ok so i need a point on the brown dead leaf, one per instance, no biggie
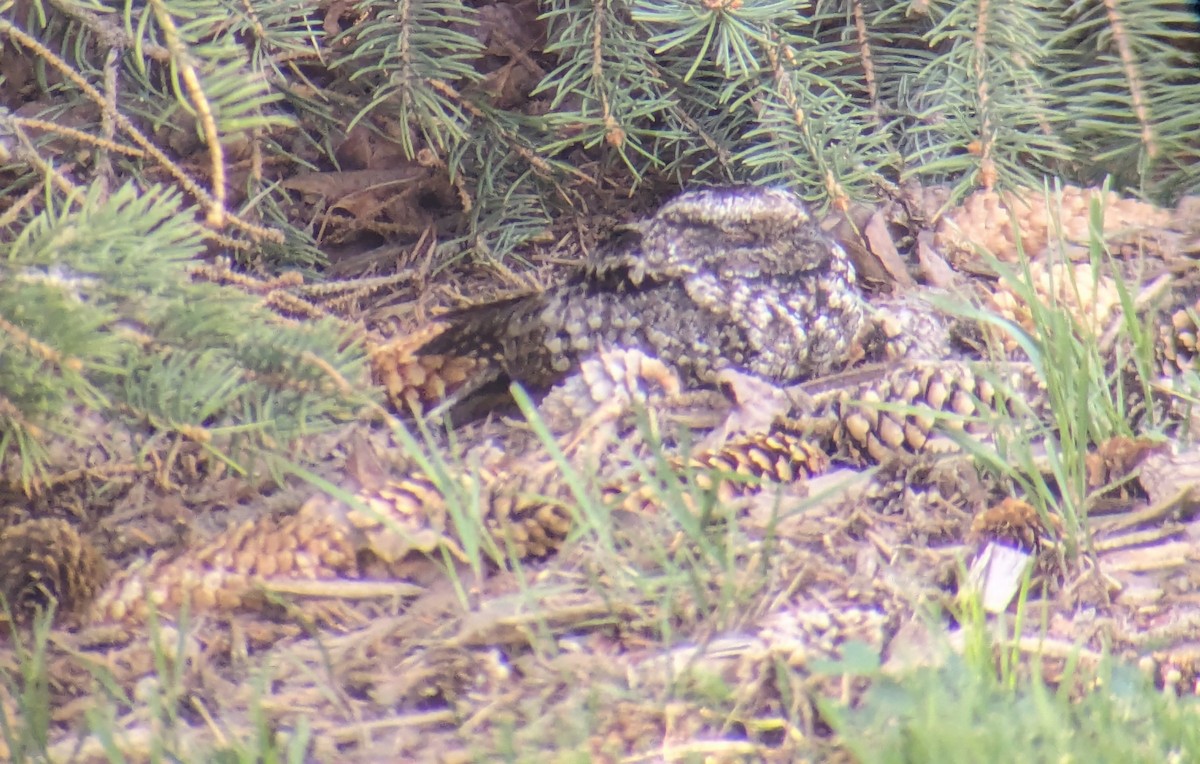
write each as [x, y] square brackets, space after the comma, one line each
[332, 22]
[1165, 475]
[505, 27]
[931, 265]
[363, 465]
[338, 185]
[372, 147]
[867, 238]
[881, 243]
[756, 404]
[409, 199]
[510, 85]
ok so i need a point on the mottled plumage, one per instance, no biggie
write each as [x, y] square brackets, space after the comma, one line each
[718, 278]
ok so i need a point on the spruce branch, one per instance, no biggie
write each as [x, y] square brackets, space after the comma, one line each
[1130, 67]
[126, 126]
[796, 109]
[398, 54]
[1130, 78]
[122, 331]
[605, 92]
[866, 56]
[989, 86]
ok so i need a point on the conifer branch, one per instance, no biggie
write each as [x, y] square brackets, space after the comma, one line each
[509, 125]
[1121, 40]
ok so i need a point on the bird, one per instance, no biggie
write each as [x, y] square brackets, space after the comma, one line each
[740, 277]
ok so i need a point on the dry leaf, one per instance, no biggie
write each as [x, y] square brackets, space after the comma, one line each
[931, 265]
[1165, 476]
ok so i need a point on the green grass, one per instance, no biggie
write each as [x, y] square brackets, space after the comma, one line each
[160, 721]
[987, 701]
[1088, 388]
[965, 713]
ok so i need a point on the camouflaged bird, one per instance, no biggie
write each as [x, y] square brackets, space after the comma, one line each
[621, 408]
[740, 278]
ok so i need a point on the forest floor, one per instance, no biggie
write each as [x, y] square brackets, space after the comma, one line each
[822, 622]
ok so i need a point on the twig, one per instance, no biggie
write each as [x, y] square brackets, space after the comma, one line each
[182, 60]
[18, 36]
[1128, 61]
